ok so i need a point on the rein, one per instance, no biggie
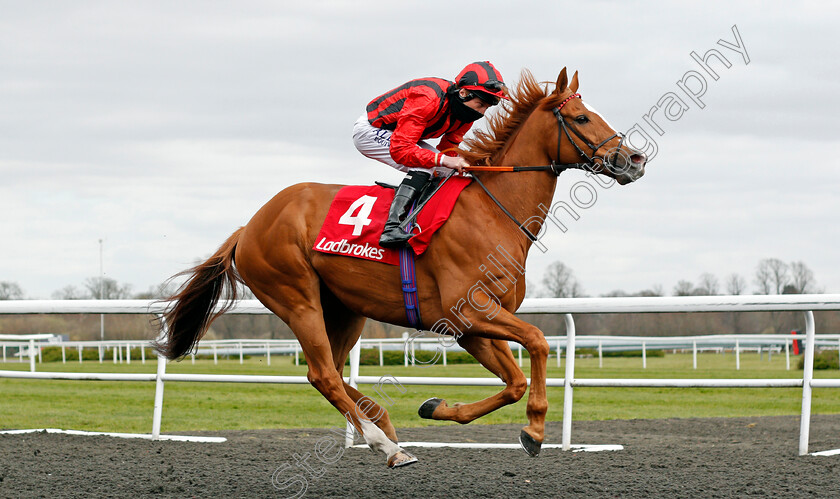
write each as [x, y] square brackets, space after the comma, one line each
[555, 167]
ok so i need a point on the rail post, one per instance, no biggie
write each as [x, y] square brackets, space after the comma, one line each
[161, 371]
[787, 354]
[32, 356]
[600, 354]
[694, 353]
[807, 376]
[355, 353]
[405, 350]
[567, 382]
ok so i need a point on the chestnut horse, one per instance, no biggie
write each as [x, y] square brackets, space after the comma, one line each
[325, 299]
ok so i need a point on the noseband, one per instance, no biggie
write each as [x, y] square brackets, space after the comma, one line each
[558, 168]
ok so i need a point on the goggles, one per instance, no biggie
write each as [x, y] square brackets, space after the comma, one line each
[493, 85]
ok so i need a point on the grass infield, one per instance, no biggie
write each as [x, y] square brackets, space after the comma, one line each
[189, 406]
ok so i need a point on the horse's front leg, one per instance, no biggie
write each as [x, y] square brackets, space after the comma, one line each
[506, 326]
[496, 356]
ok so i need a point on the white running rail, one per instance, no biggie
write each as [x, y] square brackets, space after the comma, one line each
[567, 306]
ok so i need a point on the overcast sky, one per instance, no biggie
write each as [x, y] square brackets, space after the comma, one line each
[161, 127]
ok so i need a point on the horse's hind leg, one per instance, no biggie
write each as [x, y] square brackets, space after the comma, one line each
[496, 356]
[294, 295]
[344, 328]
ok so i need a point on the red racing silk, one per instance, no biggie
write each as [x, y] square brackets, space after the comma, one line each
[415, 111]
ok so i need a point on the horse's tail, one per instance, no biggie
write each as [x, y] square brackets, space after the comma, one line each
[192, 307]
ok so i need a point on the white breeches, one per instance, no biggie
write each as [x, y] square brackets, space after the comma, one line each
[375, 143]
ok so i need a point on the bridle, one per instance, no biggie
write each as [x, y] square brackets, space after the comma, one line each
[558, 168]
[591, 161]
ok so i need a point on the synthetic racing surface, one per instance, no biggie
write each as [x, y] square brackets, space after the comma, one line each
[721, 457]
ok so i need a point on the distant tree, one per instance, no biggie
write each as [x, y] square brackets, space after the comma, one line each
[244, 293]
[735, 284]
[708, 285]
[684, 288]
[771, 276]
[530, 289]
[802, 278]
[10, 291]
[110, 289]
[653, 291]
[559, 282]
[157, 292]
[70, 292]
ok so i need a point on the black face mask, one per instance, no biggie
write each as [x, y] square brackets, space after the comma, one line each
[461, 111]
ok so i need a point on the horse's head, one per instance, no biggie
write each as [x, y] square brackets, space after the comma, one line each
[584, 136]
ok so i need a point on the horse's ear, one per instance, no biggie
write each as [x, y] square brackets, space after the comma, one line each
[562, 82]
[573, 85]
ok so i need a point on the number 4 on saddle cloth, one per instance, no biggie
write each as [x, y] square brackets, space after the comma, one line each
[357, 217]
[358, 213]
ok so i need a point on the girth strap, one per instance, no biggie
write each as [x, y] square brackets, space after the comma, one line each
[408, 279]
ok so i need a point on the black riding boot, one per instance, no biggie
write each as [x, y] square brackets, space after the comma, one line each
[412, 184]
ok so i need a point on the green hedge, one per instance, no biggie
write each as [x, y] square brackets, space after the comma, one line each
[824, 359]
[370, 357]
[622, 353]
[53, 354]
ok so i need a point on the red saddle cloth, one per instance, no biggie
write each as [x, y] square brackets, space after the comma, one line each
[358, 213]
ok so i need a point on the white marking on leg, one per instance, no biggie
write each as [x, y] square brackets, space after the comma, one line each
[376, 439]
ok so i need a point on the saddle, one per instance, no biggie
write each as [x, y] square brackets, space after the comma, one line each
[358, 213]
[428, 191]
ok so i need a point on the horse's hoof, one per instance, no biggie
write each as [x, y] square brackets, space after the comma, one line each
[428, 408]
[529, 445]
[401, 458]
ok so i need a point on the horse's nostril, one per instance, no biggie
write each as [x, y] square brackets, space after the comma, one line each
[637, 158]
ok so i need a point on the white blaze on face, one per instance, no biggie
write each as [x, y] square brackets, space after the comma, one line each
[593, 110]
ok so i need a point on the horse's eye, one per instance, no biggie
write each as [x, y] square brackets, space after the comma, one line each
[581, 119]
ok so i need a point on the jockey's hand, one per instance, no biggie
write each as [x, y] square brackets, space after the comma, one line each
[454, 162]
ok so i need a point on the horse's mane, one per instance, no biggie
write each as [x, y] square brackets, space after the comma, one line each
[486, 146]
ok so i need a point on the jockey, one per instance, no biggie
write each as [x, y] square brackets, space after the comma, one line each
[397, 123]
